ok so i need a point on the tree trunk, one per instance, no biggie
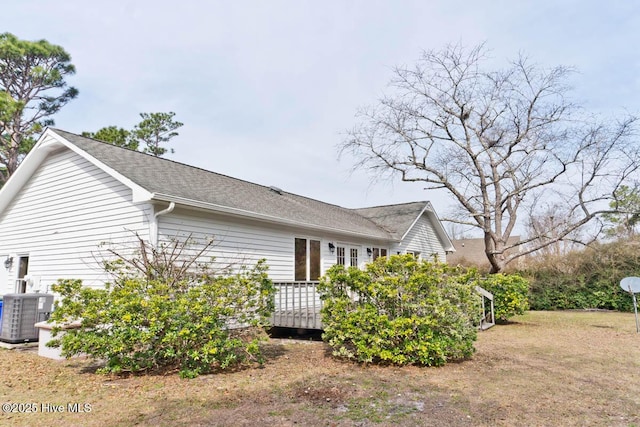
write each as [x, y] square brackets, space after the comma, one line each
[495, 254]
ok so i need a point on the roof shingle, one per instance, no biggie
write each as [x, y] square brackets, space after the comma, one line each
[395, 219]
[169, 178]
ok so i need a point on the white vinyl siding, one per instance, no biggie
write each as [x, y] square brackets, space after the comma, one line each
[423, 239]
[236, 241]
[240, 241]
[60, 217]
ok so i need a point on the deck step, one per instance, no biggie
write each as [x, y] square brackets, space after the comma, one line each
[486, 325]
[488, 318]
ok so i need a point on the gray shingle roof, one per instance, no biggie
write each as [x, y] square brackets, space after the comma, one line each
[169, 178]
[395, 219]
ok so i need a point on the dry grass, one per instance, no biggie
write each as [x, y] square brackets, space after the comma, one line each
[558, 368]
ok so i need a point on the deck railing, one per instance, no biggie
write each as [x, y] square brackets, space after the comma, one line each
[488, 318]
[297, 305]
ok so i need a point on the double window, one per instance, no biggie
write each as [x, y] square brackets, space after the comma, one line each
[347, 256]
[378, 252]
[307, 260]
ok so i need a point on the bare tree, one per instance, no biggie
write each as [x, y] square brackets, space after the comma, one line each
[174, 262]
[458, 231]
[500, 141]
[544, 226]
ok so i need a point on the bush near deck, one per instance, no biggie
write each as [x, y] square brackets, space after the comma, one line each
[137, 324]
[400, 310]
[510, 295]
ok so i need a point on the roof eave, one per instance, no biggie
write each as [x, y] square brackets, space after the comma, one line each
[48, 142]
[263, 217]
[447, 244]
[139, 194]
[51, 141]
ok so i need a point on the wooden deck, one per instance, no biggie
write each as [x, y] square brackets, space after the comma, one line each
[298, 304]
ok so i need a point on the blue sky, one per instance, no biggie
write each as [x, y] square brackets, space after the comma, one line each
[266, 89]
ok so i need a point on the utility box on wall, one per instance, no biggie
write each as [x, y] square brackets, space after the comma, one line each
[20, 313]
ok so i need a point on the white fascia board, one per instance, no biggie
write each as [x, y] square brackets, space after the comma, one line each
[139, 194]
[45, 145]
[414, 221]
[447, 244]
[49, 142]
[262, 217]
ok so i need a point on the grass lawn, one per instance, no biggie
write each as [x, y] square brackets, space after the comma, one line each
[545, 368]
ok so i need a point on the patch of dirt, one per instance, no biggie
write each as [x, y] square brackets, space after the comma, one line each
[331, 395]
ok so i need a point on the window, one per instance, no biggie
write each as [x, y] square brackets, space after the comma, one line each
[314, 265]
[301, 259]
[378, 252]
[353, 257]
[347, 255]
[415, 254]
[340, 255]
[307, 260]
[21, 283]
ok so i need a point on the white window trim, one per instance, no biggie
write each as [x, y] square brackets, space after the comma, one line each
[16, 273]
[308, 256]
[362, 254]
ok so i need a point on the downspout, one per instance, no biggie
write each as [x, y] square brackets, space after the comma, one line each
[153, 224]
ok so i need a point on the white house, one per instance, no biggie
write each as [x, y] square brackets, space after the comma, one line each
[72, 193]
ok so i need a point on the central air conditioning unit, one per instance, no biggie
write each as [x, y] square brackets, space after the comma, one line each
[20, 312]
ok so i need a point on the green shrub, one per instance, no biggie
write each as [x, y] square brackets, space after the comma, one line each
[566, 291]
[586, 279]
[148, 323]
[510, 294]
[400, 311]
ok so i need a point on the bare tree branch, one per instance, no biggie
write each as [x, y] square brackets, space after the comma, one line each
[499, 141]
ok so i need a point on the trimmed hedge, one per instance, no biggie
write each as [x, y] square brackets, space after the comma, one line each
[587, 279]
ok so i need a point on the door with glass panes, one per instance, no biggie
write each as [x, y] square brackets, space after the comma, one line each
[347, 255]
